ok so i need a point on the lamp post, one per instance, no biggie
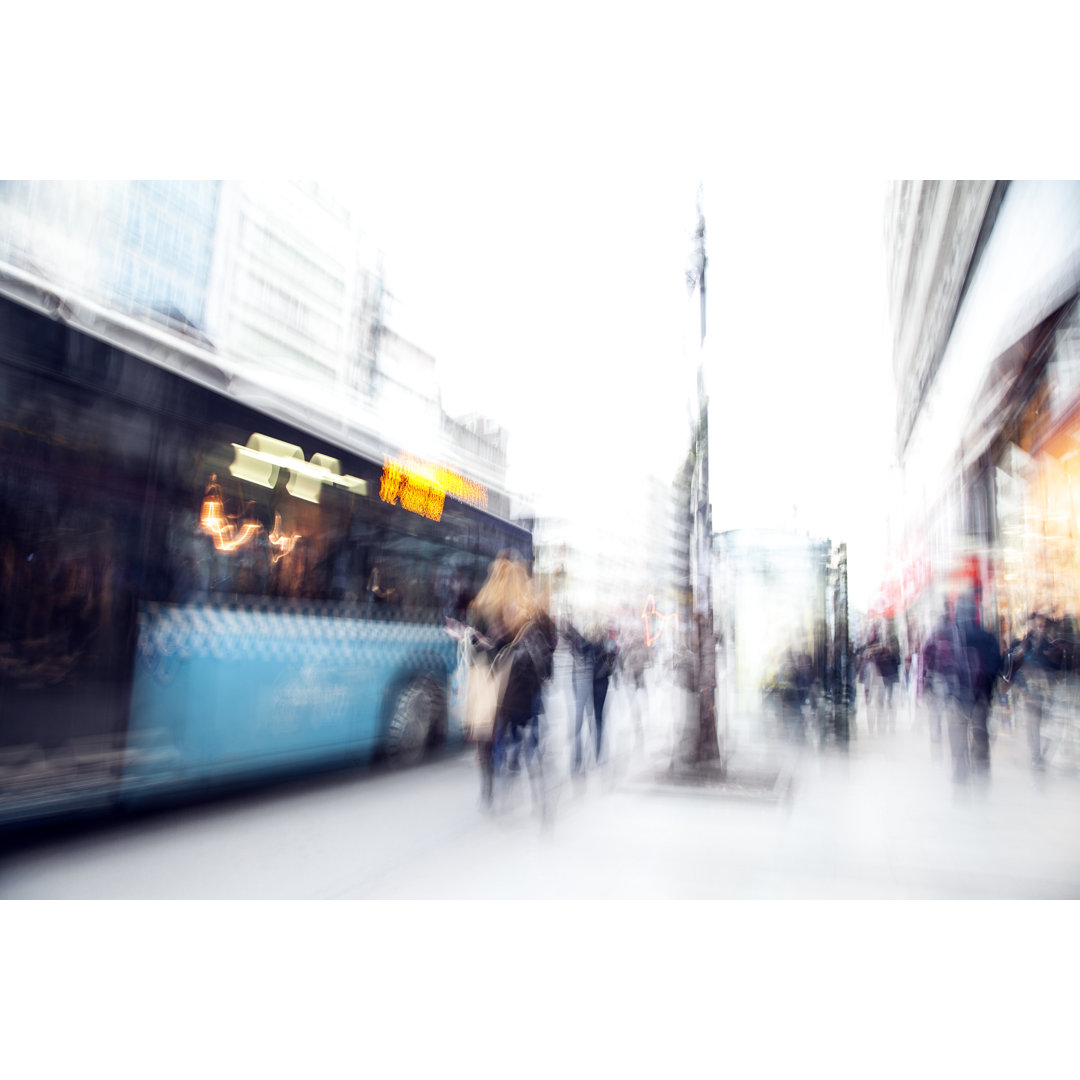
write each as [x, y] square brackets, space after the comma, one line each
[705, 746]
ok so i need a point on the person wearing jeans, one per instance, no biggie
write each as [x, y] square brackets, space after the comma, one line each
[583, 694]
[976, 664]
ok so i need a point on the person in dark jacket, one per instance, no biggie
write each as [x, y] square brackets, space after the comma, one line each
[531, 666]
[937, 663]
[595, 659]
[512, 622]
[976, 664]
[582, 652]
[1036, 662]
[887, 662]
[605, 656]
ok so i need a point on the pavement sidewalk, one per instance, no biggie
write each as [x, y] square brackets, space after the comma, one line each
[879, 819]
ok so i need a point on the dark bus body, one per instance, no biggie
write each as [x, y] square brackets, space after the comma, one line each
[196, 592]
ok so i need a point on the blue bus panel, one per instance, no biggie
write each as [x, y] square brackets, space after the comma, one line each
[220, 693]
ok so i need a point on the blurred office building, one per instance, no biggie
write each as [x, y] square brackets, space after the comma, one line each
[299, 285]
[984, 279]
[279, 280]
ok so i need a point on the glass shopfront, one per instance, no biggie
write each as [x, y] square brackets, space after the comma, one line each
[1038, 495]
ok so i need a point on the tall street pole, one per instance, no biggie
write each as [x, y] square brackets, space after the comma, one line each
[706, 746]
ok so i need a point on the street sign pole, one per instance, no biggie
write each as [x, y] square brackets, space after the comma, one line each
[706, 746]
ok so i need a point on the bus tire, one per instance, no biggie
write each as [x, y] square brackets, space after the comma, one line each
[415, 722]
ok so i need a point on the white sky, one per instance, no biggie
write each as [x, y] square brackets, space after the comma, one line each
[531, 174]
[573, 325]
[546, 274]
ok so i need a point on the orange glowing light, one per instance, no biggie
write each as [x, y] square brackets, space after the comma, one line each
[227, 536]
[421, 487]
[649, 612]
[461, 489]
[283, 543]
[213, 515]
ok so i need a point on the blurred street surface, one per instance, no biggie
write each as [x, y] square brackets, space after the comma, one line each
[879, 820]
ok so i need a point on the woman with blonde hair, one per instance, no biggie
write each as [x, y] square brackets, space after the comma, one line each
[509, 614]
[506, 602]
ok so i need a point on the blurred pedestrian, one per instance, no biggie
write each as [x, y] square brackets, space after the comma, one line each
[633, 659]
[1035, 662]
[581, 679]
[865, 671]
[975, 669]
[518, 736]
[790, 687]
[595, 657]
[938, 664]
[887, 663]
[605, 661]
[807, 684]
[513, 625]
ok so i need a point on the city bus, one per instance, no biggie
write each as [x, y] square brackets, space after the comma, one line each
[204, 582]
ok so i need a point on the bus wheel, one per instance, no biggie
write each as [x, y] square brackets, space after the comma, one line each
[416, 719]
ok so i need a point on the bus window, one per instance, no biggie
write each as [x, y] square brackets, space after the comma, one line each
[231, 537]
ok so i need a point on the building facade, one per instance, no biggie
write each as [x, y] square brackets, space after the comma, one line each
[988, 377]
[294, 279]
[278, 278]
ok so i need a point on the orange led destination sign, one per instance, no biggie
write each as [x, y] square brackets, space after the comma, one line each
[422, 487]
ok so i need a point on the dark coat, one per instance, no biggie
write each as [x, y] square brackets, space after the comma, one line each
[531, 664]
[976, 663]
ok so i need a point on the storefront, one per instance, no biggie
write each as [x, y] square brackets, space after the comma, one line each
[991, 469]
[1038, 489]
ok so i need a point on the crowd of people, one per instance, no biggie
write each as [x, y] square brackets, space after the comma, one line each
[511, 624]
[962, 675]
[877, 670]
[956, 674]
